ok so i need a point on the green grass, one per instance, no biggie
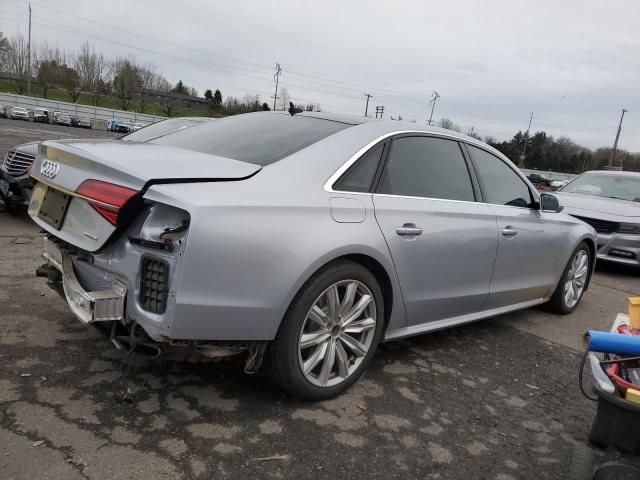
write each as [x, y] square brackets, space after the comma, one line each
[106, 101]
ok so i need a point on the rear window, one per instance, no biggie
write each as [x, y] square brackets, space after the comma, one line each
[159, 129]
[261, 138]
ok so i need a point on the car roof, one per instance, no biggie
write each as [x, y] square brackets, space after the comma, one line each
[384, 125]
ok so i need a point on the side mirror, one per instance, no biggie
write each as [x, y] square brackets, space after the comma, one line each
[550, 203]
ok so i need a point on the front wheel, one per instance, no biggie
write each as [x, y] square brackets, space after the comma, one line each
[330, 332]
[573, 282]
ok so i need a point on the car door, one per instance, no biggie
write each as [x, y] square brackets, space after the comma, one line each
[529, 240]
[443, 243]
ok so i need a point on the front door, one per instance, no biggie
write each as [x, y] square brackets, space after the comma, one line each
[442, 242]
[529, 240]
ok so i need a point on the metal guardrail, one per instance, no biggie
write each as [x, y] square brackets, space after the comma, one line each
[99, 115]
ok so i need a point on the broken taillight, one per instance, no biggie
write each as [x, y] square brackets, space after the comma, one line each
[106, 198]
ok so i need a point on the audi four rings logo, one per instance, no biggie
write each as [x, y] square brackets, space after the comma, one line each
[49, 169]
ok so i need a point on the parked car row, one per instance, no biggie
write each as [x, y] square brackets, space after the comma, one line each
[15, 183]
[44, 115]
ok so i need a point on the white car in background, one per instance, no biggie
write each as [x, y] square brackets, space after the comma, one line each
[19, 113]
[556, 184]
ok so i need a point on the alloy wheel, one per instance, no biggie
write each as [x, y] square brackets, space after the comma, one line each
[337, 333]
[576, 278]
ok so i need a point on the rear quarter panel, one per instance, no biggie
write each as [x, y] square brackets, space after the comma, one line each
[253, 244]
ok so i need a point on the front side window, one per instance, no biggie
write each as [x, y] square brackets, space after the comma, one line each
[500, 184]
[427, 167]
[359, 177]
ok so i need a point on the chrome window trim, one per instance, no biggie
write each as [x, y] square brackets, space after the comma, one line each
[328, 185]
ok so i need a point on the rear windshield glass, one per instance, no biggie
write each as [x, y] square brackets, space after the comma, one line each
[159, 129]
[261, 138]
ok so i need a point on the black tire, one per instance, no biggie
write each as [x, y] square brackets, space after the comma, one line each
[621, 469]
[282, 359]
[557, 303]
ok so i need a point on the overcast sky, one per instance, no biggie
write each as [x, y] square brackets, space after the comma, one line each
[574, 63]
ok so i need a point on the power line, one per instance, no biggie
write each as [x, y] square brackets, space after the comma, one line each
[258, 69]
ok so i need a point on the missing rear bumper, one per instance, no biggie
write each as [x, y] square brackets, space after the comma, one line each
[98, 306]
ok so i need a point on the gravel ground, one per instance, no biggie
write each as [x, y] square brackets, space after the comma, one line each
[497, 399]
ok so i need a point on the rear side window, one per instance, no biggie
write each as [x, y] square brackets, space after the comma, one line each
[360, 176]
[500, 184]
[260, 138]
[427, 167]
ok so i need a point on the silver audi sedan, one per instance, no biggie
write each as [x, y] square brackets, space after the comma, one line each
[301, 240]
[609, 201]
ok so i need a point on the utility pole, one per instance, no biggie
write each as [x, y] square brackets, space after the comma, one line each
[276, 77]
[434, 99]
[366, 108]
[379, 111]
[615, 144]
[526, 137]
[29, 50]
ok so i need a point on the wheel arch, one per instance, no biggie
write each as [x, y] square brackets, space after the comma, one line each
[380, 268]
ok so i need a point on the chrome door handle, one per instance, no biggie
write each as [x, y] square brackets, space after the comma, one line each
[509, 232]
[409, 229]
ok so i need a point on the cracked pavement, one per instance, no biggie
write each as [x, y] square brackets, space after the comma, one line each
[496, 399]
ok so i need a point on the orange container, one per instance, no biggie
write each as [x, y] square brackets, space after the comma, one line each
[634, 312]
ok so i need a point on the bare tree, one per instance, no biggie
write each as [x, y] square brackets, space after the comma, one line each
[17, 62]
[473, 134]
[92, 72]
[168, 105]
[48, 63]
[149, 79]
[285, 98]
[448, 124]
[126, 80]
[4, 48]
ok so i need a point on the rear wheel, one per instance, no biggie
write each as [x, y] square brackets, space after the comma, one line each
[329, 333]
[573, 282]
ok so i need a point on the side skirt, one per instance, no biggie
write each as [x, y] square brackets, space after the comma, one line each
[452, 322]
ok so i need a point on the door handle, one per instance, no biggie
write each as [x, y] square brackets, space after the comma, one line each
[409, 229]
[509, 232]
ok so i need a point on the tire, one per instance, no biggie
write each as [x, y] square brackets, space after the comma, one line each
[333, 362]
[561, 302]
[621, 469]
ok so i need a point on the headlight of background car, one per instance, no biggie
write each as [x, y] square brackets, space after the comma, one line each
[629, 228]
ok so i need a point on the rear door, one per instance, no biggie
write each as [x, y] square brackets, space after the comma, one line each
[529, 240]
[443, 243]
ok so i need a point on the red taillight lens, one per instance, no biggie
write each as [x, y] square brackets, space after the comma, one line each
[106, 198]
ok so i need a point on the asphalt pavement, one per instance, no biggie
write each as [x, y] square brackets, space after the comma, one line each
[496, 399]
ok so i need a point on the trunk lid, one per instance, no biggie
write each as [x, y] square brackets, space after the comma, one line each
[133, 165]
[65, 165]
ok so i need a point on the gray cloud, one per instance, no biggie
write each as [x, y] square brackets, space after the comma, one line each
[574, 63]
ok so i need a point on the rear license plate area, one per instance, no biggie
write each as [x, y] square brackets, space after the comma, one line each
[53, 207]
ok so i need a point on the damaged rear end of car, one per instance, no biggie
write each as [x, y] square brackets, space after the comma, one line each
[111, 252]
